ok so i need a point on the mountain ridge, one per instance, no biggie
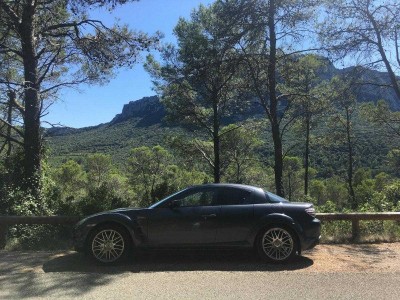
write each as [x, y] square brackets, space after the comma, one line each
[150, 110]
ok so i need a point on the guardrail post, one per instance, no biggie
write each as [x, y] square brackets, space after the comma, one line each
[3, 235]
[355, 229]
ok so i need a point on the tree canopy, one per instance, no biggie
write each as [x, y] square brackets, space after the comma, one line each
[53, 44]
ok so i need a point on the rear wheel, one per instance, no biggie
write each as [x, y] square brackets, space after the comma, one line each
[277, 244]
[108, 244]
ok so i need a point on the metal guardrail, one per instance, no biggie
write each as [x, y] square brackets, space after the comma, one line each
[6, 221]
[355, 219]
[34, 220]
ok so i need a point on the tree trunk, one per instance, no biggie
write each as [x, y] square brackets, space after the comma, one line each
[216, 144]
[238, 172]
[11, 99]
[392, 75]
[352, 195]
[307, 156]
[278, 167]
[32, 136]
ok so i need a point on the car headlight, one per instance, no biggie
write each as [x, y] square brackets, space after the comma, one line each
[311, 211]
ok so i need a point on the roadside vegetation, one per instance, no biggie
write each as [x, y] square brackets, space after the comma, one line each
[314, 140]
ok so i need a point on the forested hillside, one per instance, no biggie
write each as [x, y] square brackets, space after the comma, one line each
[142, 123]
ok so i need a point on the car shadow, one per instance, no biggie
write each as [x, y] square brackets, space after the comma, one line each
[164, 261]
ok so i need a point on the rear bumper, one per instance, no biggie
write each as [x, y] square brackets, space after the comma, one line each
[311, 235]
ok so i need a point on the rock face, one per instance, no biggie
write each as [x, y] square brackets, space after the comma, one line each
[149, 109]
[377, 89]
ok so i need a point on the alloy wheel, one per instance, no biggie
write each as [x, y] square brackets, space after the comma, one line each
[277, 244]
[108, 245]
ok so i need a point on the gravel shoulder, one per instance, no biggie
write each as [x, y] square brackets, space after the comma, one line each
[377, 258]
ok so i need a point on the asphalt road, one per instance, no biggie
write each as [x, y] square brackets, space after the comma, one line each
[46, 275]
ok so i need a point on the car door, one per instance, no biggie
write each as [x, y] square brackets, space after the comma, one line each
[236, 217]
[191, 221]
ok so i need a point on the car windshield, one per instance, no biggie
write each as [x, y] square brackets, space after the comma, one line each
[164, 200]
[275, 198]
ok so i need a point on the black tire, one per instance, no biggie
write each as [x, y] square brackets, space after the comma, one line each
[109, 244]
[277, 244]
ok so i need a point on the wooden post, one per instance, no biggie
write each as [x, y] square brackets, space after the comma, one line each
[355, 229]
[3, 235]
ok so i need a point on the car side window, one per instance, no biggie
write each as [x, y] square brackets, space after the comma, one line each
[199, 198]
[232, 196]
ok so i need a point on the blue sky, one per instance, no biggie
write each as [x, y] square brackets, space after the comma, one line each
[92, 105]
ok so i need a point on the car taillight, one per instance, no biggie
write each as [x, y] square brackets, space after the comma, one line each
[310, 211]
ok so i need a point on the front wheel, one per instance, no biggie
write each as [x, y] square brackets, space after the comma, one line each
[277, 244]
[108, 244]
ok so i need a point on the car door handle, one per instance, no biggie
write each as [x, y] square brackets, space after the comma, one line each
[209, 216]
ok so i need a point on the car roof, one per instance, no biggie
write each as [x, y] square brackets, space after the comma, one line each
[227, 185]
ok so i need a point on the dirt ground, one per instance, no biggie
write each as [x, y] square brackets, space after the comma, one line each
[383, 257]
[377, 258]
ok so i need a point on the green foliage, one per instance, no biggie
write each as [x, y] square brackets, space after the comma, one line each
[239, 152]
[318, 191]
[392, 194]
[394, 161]
[381, 180]
[100, 199]
[99, 167]
[292, 172]
[175, 179]
[20, 202]
[153, 175]
[146, 168]
[71, 179]
[382, 115]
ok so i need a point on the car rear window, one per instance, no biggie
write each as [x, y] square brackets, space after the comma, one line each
[232, 196]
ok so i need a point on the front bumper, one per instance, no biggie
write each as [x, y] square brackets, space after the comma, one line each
[311, 235]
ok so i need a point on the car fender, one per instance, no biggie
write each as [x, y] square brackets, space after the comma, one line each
[271, 219]
[131, 225]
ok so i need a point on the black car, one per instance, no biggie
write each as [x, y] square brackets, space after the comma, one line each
[212, 215]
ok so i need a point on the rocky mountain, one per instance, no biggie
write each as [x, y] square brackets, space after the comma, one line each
[373, 86]
[151, 111]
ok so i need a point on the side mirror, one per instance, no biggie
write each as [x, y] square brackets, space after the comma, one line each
[175, 204]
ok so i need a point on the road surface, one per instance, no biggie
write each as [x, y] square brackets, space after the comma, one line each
[328, 272]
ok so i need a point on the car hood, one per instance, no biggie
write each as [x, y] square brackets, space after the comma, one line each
[126, 209]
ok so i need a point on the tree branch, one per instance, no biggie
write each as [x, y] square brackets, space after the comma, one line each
[11, 139]
[204, 154]
[12, 127]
